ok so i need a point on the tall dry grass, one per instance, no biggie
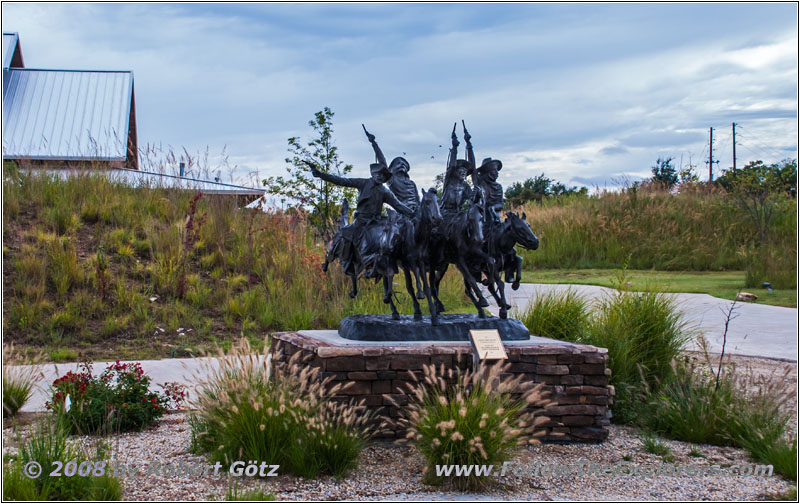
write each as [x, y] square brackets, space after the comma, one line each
[243, 272]
[697, 229]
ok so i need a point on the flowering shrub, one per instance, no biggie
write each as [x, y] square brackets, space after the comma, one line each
[118, 400]
[245, 411]
[477, 420]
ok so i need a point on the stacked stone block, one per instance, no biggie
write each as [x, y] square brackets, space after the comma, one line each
[575, 376]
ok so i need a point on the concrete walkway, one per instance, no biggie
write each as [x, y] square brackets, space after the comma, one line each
[757, 330]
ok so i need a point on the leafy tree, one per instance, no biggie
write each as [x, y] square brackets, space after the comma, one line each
[688, 175]
[538, 188]
[322, 199]
[664, 173]
[761, 189]
[777, 177]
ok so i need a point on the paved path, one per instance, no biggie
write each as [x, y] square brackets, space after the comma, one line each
[758, 330]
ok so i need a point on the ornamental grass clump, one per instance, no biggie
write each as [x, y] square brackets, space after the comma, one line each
[480, 418]
[244, 410]
[718, 404]
[81, 475]
[18, 381]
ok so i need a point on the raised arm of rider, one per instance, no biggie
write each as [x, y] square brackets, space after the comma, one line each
[470, 154]
[378, 152]
[451, 160]
[340, 181]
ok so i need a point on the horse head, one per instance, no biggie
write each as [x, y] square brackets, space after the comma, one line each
[429, 208]
[521, 231]
[475, 224]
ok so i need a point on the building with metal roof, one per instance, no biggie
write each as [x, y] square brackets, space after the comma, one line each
[69, 116]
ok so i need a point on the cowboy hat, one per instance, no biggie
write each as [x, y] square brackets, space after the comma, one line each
[376, 168]
[488, 163]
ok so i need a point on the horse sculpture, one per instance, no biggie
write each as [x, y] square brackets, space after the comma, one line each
[413, 252]
[500, 244]
[461, 239]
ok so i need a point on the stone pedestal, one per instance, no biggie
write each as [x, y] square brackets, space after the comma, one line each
[377, 372]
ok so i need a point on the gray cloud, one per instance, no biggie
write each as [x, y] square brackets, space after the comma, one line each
[545, 87]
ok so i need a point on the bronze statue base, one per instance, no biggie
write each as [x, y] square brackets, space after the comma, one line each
[452, 327]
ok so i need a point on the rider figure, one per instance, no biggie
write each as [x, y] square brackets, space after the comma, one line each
[456, 191]
[372, 194]
[401, 185]
[493, 191]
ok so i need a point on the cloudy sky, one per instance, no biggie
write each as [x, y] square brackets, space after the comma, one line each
[589, 94]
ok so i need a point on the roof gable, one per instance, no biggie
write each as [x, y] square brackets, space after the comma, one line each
[12, 52]
[65, 114]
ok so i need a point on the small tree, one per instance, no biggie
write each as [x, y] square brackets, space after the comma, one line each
[758, 189]
[321, 198]
[664, 173]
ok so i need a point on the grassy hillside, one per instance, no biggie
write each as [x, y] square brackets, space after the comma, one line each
[100, 269]
[696, 230]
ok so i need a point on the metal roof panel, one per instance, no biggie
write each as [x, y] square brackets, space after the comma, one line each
[10, 41]
[66, 114]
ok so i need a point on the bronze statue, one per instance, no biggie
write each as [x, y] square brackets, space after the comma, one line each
[422, 237]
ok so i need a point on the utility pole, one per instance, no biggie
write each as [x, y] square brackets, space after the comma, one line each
[710, 153]
[733, 127]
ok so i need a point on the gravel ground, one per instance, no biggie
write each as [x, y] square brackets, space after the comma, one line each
[391, 471]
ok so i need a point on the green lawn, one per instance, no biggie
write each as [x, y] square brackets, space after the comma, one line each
[722, 284]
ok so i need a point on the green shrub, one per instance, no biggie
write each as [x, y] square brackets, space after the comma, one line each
[558, 315]
[473, 421]
[47, 444]
[747, 411]
[116, 401]
[643, 333]
[287, 418]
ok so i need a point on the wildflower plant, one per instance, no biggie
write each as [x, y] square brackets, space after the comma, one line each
[117, 400]
[244, 410]
[479, 418]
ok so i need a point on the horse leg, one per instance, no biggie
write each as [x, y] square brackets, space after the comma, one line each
[431, 305]
[470, 288]
[518, 261]
[494, 294]
[471, 296]
[420, 293]
[436, 279]
[354, 291]
[501, 288]
[410, 289]
[387, 296]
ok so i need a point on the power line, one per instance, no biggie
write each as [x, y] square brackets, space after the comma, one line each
[757, 142]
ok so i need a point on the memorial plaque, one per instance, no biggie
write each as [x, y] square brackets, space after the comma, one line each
[487, 345]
